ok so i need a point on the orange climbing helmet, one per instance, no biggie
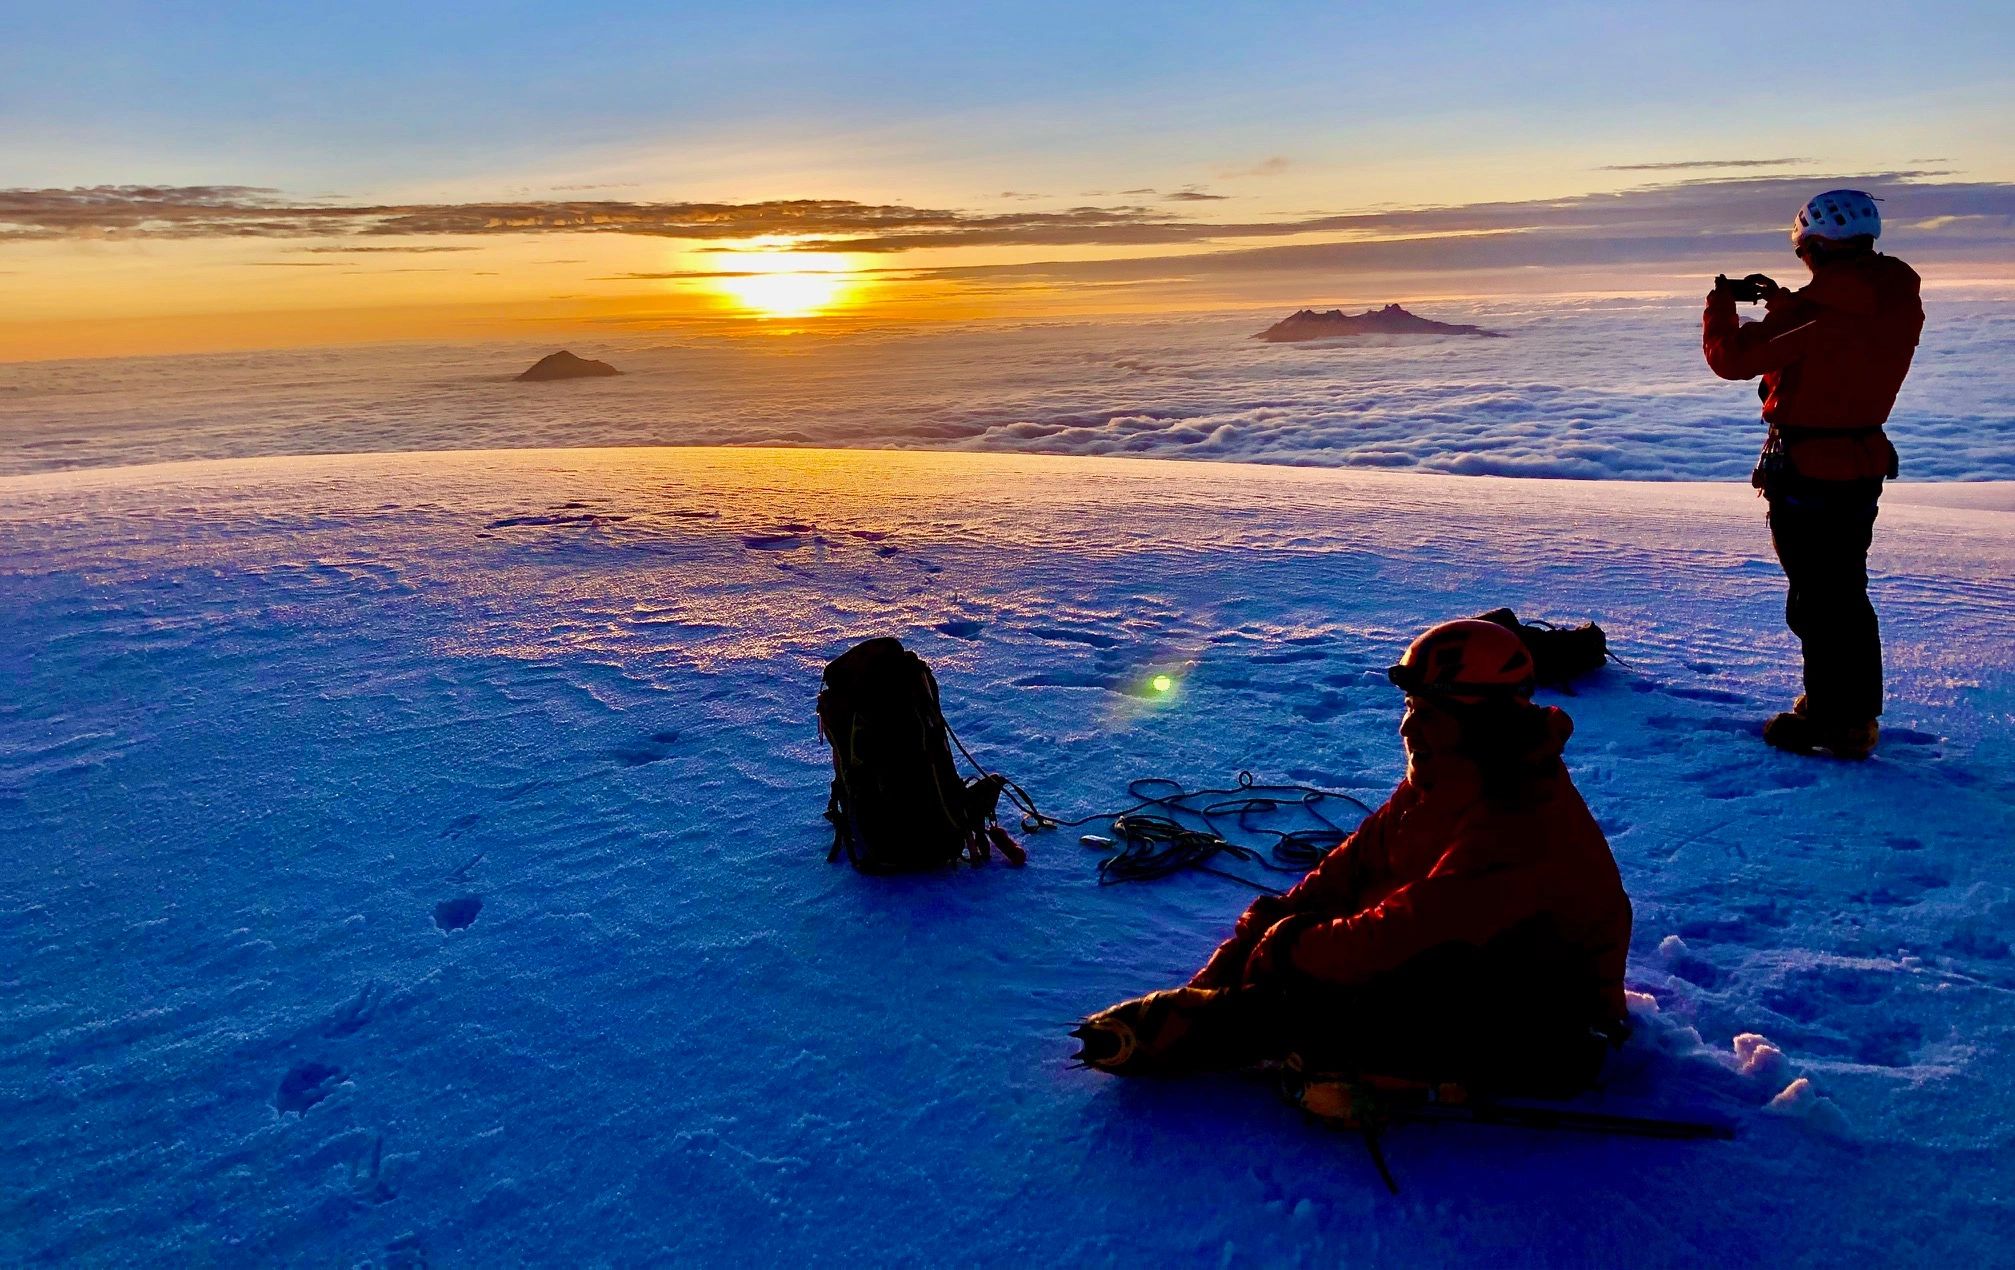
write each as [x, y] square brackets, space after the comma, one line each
[1470, 662]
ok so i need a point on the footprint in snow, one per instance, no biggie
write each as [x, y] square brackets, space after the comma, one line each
[1814, 994]
[352, 1017]
[367, 1176]
[1889, 1043]
[1855, 987]
[406, 1253]
[1957, 775]
[1067, 679]
[1907, 736]
[1725, 928]
[584, 518]
[1696, 971]
[1057, 634]
[652, 749]
[1772, 913]
[1746, 781]
[1322, 709]
[1904, 881]
[459, 913]
[1976, 937]
[1288, 657]
[304, 1086]
[1322, 778]
[1715, 695]
[1793, 1003]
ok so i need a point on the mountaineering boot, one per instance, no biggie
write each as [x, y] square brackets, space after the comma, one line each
[1173, 1032]
[1137, 1036]
[1799, 733]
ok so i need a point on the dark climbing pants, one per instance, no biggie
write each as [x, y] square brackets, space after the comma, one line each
[1448, 1015]
[1821, 530]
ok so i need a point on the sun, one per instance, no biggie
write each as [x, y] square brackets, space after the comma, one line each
[785, 284]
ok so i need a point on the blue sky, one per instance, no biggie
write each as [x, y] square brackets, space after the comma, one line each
[377, 98]
[997, 153]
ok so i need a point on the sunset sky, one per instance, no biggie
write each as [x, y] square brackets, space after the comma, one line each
[177, 178]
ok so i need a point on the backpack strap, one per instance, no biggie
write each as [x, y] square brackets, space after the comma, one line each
[1011, 851]
[833, 814]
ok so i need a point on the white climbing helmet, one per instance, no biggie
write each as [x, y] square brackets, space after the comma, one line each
[1836, 215]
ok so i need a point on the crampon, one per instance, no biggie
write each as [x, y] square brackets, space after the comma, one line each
[1174, 1032]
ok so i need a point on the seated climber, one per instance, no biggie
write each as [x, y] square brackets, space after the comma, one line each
[1473, 929]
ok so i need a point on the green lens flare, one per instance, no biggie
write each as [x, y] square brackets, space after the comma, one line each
[1162, 683]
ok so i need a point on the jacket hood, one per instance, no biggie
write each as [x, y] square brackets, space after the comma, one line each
[1528, 732]
[1862, 285]
[1514, 756]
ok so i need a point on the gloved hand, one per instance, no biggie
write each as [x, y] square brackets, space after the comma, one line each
[1265, 911]
[1228, 962]
[1271, 959]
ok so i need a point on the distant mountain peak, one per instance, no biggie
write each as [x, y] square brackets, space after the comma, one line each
[1309, 324]
[564, 365]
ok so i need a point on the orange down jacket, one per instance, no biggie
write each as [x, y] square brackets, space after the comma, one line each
[1832, 355]
[1531, 885]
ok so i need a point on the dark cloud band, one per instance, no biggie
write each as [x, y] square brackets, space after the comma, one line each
[1691, 164]
[1683, 219]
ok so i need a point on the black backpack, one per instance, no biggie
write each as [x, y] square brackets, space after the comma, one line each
[898, 803]
[1560, 654]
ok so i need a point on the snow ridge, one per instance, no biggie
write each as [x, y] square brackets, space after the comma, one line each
[416, 859]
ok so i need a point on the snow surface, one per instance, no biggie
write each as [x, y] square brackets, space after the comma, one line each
[1582, 388]
[417, 858]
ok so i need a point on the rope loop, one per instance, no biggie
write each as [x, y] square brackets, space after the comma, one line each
[1155, 843]
[1161, 835]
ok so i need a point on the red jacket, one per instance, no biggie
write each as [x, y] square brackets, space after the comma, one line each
[1832, 355]
[1533, 882]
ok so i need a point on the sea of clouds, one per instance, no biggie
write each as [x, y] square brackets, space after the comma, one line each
[1588, 389]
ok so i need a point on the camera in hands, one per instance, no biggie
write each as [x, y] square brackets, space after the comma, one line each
[1750, 290]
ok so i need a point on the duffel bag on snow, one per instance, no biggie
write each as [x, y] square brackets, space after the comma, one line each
[1560, 654]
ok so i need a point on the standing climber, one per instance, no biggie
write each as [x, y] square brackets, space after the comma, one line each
[1832, 355]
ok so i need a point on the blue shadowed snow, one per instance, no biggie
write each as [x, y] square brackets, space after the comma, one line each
[417, 858]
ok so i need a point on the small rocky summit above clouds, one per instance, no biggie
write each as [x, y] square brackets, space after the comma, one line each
[564, 365]
[1390, 320]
